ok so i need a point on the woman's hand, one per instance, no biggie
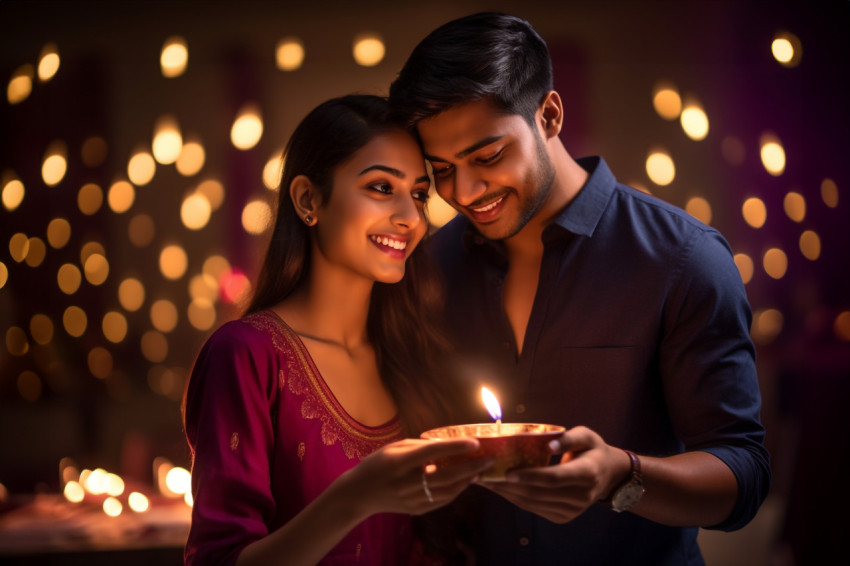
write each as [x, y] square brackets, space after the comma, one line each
[402, 478]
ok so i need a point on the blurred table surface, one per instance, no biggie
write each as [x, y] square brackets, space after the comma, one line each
[46, 529]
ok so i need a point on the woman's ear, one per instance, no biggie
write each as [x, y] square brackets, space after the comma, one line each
[551, 114]
[305, 199]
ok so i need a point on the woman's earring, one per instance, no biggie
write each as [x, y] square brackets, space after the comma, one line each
[308, 220]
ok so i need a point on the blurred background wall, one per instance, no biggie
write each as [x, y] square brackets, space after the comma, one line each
[137, 190]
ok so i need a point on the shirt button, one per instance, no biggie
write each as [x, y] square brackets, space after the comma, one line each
[523, 541]
[520, 409]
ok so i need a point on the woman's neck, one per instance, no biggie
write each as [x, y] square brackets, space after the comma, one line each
[330, 308]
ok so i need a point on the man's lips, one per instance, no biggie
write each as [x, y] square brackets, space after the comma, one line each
[487, 212]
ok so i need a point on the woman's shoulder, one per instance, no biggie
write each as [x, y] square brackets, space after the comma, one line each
[255, 332]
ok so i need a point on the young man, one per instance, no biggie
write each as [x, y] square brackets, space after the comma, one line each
[584, 303]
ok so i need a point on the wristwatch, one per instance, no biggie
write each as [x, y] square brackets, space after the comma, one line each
[627, 494]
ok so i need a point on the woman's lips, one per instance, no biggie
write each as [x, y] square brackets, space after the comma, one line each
[390, 245]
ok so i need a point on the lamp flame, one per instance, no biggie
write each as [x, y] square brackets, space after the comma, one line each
[491, 403]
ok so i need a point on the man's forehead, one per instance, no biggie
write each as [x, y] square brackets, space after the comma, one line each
[460, 127]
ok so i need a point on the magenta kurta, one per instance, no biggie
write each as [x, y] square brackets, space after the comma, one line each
[268, 437]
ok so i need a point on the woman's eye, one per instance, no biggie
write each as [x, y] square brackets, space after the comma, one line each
[383, 188]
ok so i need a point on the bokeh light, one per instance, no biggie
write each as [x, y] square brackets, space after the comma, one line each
[660, 168]
[131, 294]
[36, 252]
[273, 170]
[810, 245]
[841, 326]
[173, 262]
[666, 100]
[247, 128]
[19, 246]
[235, 286]
[89, 199]
[192, 158]
[29, 386]
[141, 230]
[772, 154]
[786, 49]
[100, 362]
[96, 269]
[20, 85]
[121, 196]
[16, 341]
[48, 62]
[112, 506]
[138, 502]
[154, 346]
[795, 206]
[4, 274]
[256, 217]
[213, 191]
[289, 54]
[368, 49]
[694, 120]
[41, 328]
[141, 167]
[167, 140]
[69, 278]
[55, 163]
[767, 324]
[195, 211]
[754, 212]
[13, 192]
[58, 233]
[829, 193]
[75, 321]
[201, 313]
[114, 326]
[775, 263]
[174, 57]
[164, 315]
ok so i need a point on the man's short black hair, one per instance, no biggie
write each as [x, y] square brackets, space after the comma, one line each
[486, 56]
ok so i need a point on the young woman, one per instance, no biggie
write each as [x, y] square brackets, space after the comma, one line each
[296, 413]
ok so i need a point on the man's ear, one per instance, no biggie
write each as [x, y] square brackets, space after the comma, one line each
[551, 114]
[305, 198]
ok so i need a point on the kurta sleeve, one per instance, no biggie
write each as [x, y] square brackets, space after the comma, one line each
[708, 368]
[229, 429]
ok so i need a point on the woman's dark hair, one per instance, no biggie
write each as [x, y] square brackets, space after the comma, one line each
[492, 56]
[401, 322]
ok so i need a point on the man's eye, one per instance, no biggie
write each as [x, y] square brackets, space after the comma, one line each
[421, 196]
[441, 170]
[490, 158]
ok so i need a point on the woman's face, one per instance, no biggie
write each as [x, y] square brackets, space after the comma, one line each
[375, 215]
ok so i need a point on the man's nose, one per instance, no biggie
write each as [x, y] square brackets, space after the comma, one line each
[468, 186]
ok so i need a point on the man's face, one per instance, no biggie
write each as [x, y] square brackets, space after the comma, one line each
[492, 167]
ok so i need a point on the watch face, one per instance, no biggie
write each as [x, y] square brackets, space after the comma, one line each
[627, 496]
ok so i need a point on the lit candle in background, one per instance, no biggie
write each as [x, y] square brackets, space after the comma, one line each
[493, 407]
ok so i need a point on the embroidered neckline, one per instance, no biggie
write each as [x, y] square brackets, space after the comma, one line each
[318, 399]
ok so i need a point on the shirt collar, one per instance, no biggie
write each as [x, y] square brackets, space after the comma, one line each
[584, 212]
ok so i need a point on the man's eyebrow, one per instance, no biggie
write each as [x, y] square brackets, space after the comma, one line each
[474, 147]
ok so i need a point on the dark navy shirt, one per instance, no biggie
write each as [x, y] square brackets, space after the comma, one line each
[640, 331]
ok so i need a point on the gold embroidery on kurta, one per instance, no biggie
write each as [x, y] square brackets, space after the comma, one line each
[234, 441]
[303, 380]
[302, 449]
